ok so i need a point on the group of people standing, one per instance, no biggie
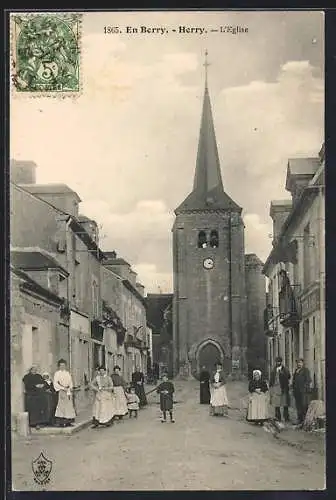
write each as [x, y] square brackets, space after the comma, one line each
[114, 399]
[213, 392]
[47, 401]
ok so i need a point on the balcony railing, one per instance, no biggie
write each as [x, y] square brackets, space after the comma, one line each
[289, 308]
[270, 322]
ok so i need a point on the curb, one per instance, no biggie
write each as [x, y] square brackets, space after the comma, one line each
[67, 431]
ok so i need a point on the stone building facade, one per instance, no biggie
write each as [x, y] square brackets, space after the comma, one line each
[256, 303]
[295, 268]
[209, 305]
[47, 217]
[37, 331]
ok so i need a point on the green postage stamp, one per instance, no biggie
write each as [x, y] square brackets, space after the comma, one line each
[46, 55]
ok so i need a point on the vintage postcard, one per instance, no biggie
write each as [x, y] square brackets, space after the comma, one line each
[167, 273]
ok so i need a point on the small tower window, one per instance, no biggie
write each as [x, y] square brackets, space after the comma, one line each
[214, 239]
[202, 240]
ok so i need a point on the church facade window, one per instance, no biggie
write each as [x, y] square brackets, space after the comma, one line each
[202, 240]
[214, 240]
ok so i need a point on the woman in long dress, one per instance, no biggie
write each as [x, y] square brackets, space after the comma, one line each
[204, 386]
[138, 382]
[104, 404]
[65, 412]
[119, 385]
[51, 396]
[257, 410]
[36, 403]
[218, 401]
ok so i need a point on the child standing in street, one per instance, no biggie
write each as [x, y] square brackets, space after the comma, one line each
[166, 390]
[133, 403]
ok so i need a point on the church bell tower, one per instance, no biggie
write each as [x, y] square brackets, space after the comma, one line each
[209, 301]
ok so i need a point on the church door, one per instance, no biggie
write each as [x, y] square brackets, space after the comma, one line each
[209, 355]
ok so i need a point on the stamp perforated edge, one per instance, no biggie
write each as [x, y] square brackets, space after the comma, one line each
[14, 93]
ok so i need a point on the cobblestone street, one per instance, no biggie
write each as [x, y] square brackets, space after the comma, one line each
[196, 453]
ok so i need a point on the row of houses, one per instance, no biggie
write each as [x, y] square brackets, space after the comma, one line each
[68, 298]
[295, 314]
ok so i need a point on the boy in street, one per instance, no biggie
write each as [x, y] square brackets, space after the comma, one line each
[166, 390]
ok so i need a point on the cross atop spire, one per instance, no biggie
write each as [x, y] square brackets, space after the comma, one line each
[206, 64]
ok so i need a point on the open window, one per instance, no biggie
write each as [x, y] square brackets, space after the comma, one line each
[202, 240]
[214, 242]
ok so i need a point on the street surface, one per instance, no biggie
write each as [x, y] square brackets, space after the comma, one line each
[198, 452]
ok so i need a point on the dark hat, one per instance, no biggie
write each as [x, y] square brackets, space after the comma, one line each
[278, 359]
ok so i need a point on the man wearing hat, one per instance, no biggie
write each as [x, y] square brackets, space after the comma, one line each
[279, 389]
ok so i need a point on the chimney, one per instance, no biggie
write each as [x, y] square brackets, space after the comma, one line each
[279, 211]
[90, 226]
[23, 172]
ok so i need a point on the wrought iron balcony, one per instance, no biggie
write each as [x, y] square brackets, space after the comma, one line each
[289, 306]
[270, 321]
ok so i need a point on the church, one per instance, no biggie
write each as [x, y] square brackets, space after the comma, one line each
[210, 300]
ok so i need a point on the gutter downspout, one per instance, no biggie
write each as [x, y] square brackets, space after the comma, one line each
[322, 292]
[69, 288]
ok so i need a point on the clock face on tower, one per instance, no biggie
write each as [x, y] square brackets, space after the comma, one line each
[208, 263]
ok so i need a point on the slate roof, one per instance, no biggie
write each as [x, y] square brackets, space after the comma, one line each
[208, 192]
[156, 306]
[34, 260]
[49, 189]
[31, 285]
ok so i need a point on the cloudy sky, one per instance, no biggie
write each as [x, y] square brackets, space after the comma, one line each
[128, 144]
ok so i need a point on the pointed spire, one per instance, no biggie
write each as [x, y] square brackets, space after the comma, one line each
[208, 191]
[208, 173]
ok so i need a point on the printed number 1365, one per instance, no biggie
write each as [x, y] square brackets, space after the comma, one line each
[108, 30]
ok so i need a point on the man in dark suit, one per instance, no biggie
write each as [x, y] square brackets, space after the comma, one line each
[302, 384]
[279, 389]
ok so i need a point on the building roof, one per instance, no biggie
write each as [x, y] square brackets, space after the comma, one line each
[117, 262]
[156, 307]
[208, 191]
[84, 218]
[28, 284]
[301, 167]
[50, 189]
[252, 258]
[281, 203]
[34, 259]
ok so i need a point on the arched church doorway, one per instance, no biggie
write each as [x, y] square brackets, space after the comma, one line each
[209, 354]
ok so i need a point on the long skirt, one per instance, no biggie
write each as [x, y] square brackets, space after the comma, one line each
[104, 407]
[218, 401]
[140, 392]
[257, 410]
[204, 393]
[279, 398]
[120, 401]
[52, 400]
[36, 404]
[65, 408]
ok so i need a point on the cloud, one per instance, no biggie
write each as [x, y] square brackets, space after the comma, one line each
[128, 144]
[153, 280]
[257, 235]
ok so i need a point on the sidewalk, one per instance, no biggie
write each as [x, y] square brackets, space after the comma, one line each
[298, 438]
[83, 420]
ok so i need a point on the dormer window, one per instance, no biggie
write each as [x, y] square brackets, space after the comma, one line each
[214, 242]
[202, 240]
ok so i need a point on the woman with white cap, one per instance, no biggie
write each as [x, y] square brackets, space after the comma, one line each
[257, 410]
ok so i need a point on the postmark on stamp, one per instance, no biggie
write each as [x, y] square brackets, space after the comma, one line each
[46, 53]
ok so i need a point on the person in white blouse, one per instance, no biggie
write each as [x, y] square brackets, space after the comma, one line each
[65, 411]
